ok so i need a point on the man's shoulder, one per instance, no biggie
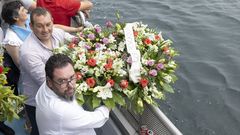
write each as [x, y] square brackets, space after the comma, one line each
[29, 46]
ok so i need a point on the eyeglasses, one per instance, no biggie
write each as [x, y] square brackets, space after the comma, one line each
[65, 82]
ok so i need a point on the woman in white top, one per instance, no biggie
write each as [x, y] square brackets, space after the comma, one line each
[16, 16]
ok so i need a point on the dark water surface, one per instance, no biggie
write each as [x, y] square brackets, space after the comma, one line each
[207, 34]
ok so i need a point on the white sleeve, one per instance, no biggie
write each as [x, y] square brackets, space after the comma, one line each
[81, 119]
[1, 34]
[27, 3]
[12, 39]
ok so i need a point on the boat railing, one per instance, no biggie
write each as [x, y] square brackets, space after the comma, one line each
[153, 120]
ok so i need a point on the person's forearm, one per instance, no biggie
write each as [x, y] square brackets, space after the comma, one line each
[68, 28]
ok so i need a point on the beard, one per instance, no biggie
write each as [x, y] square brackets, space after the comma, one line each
[68, 98]
[65, 96]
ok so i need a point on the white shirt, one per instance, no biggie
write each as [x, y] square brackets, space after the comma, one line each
[11, 38]
[56, 116]
[33, 56]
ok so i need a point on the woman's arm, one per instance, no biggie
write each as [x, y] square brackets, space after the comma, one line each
[13, 51]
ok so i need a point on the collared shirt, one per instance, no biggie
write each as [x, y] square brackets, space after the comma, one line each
[56, 116]
[33, 56]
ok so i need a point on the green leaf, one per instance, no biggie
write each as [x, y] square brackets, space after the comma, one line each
[174, 77]
[80, 99]
[109, 103]
[167, 88]
[118, 99]
[95, 102]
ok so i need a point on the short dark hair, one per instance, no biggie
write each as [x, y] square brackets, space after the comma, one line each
[56, 61]
[10, 11]
[38, 12]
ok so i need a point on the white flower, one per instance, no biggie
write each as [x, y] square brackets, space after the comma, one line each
[172, 64]
[83, 87]
[143, 71]
[144, 61]
[104, 92]
[90, 71]
[121, 46]
[61, 49]
[167, 78]
[153, 48]
[151, 36]
[117, 66]
[111, 38]
[122, 72]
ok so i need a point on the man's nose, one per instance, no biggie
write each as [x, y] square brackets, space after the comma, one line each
[45, 28]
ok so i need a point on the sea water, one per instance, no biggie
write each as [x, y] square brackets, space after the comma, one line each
[207, 35]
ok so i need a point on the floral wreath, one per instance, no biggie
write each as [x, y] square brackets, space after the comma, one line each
[103, 65]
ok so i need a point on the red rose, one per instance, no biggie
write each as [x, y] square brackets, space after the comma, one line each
[91, 62]
[108, 66]
[78, 75]
[111, 81]
[157, 37]
[1, 69]
[91, 82]
[147, 41]
[71, 45]
[124, 84]
[135, 33]
[109, 61]
[143, 82]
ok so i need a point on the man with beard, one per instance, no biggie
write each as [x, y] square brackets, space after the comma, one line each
[57, 111]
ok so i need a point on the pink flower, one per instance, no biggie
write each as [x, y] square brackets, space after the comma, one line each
[159, 66]
[91, 36]
[153, 72]
[109, 24]
[105, 40]
[150, 62]
[98, 29]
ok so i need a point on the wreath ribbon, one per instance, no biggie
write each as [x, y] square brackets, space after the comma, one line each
[134, 72]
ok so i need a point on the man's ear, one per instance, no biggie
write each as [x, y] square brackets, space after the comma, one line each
[49, 82]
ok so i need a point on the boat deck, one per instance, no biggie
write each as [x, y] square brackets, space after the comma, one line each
[18, 126]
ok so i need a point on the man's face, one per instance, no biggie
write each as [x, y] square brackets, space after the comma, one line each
[42, 27]
[63, 82]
